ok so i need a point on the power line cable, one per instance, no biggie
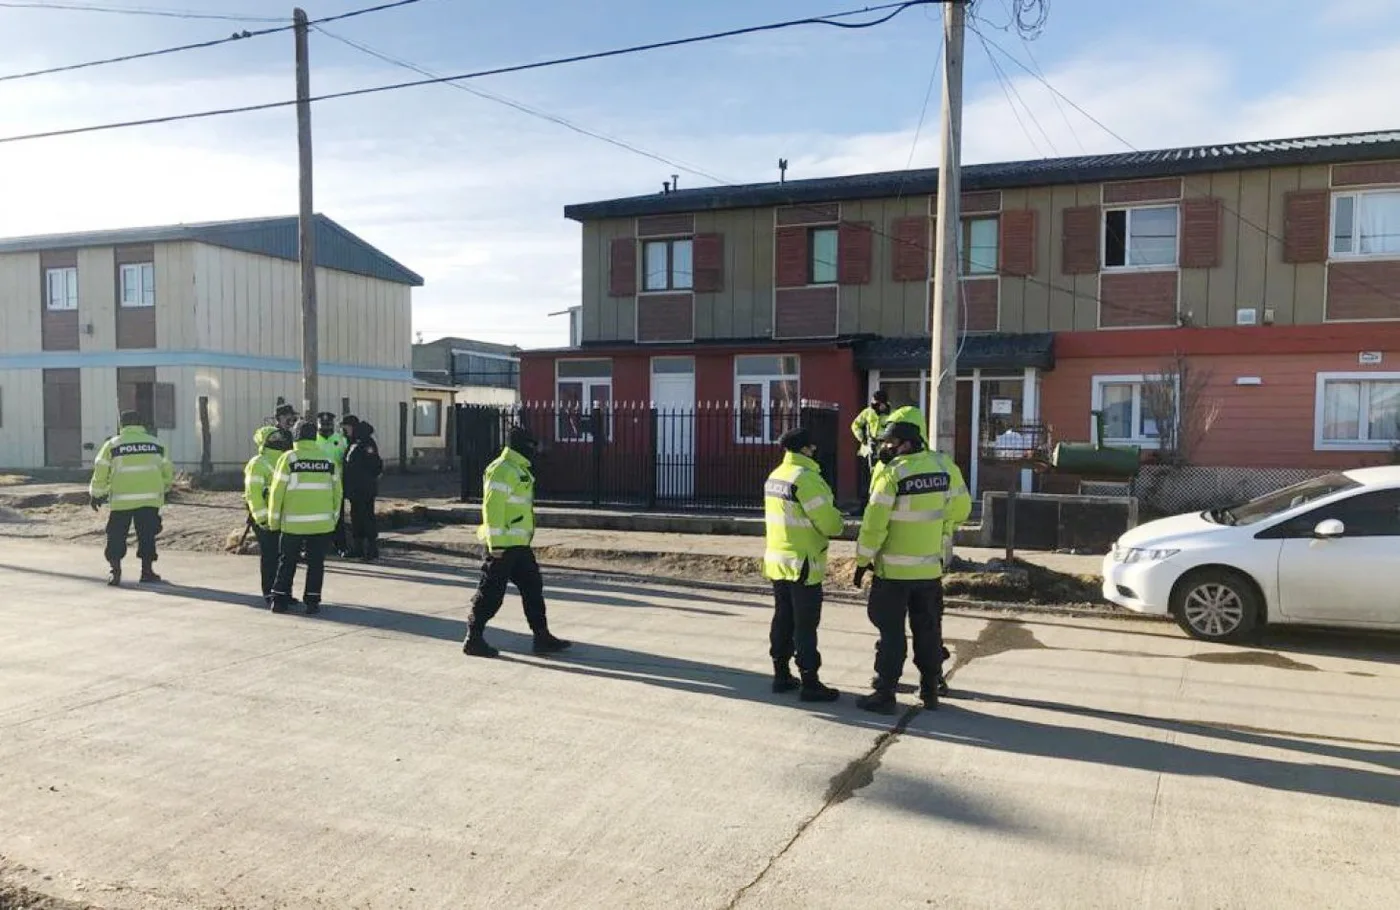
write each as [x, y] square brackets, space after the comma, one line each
[1040, 70]
[236, 36]
[134, 11]
[894, 10]
[1008, 87]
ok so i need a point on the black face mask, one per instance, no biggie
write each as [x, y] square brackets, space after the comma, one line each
[888, 454]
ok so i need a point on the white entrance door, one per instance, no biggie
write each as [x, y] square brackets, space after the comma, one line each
[673, 396]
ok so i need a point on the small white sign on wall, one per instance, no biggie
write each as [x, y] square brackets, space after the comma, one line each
[1002, 405]
[1370, 358]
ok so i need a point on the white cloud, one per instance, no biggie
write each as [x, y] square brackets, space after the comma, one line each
[471, 195]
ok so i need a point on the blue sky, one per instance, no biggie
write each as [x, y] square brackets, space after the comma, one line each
[469, 192]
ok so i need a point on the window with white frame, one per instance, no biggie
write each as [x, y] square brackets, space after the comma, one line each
[668, 265]
[583, 389]
[823, 252]
[1140, 237]
[766, 396]
[1366, 223]
[138, 284]
[61, 289]
[427, 417]
[1357, 411]
[1136, 409]
[977, 246]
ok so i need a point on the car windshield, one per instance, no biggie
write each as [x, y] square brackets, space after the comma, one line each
[1281, 501]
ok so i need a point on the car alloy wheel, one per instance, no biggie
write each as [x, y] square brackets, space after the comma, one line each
[1214, 610]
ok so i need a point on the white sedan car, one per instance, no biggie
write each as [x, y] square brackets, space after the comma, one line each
[1324, 552]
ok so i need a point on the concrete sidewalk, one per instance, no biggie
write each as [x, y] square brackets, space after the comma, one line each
[177, 748]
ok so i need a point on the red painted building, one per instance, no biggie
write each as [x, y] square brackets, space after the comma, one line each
[1234, 307]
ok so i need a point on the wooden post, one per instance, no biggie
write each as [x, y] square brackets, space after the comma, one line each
[1011, 524]
[306, 223]
[206, 458]
[403, 437]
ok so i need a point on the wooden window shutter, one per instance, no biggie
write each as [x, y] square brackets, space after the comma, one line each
[1305, 219]
[1016, 245]
[790, 269]
[1080, 244]
[163, 395]
[622, 267]
[709, 263]
[909, 249]
[1200, 232]
[854, 252]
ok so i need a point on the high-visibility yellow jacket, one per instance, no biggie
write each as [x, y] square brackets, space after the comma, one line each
[132, 471]
[910, 414]
[916, 503]
[799, 517]
[257, 476]
[508, 502]
[335, 446]
[867, 428]
[304, 497]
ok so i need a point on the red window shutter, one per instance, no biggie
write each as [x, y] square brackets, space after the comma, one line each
[1305, 218]
[790, 270]
[854, 252]
[1200, 232]
[622, 267]
[909, 249]
[1080, 244]
[709, 263]
[1017, 242]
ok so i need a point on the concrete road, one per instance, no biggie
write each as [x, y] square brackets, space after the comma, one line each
[182, 749]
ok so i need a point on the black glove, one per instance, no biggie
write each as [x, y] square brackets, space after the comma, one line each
[860, 574]
[96, 501]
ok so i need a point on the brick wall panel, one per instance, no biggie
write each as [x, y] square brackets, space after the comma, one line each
[1163, 190]
[1305, 217]
[909, 249]
[981, 203]
[709, 263]
[815, 213]
[1363, 290]
[666, 317]
[665, 225]
[1201, 221]
[806, 313]
[1370, 173]
[1017, 243]
[1137, 299]
[982, 297]
[622, 267]
[1079, 247]
[855, 252]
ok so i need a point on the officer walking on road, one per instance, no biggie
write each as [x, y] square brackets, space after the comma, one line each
[131, 474]
[915, 497]
[507, 529]
[800, 517]
[303, 501]
[272, 442]
[363, 468]
[868, 429]
[336, 444]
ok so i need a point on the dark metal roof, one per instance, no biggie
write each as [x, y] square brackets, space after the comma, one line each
[1008, 175]
[986, 352]
[336, 248]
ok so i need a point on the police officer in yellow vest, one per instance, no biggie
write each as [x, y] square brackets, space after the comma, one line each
[131, 474]
[916, 497]
[869, 428]
[507, 529]
[800, 517]
[257, 485]
[302, 504]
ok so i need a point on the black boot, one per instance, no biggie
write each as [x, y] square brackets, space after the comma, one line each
[546, 643]
[476, 646]
[313, 606]
[928, 694]
[783, 680]
[148, 573]
[814, 690]
[114, 574]
[879, 701]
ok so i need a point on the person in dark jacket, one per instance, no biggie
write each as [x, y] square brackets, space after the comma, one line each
[363, 467]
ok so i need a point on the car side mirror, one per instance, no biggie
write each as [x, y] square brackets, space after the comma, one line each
[1330, 529]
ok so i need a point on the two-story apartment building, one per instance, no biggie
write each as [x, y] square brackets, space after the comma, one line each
[1268, 271]
[197, 327]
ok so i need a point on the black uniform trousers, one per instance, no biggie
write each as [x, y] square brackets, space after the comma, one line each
[364, 530]
[797, 612]
[291, 546]
[513, 565]
[339, 542]
[268, 555]
[147, 521]
[922, 603]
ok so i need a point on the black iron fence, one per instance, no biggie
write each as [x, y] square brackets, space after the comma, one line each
[639, 456]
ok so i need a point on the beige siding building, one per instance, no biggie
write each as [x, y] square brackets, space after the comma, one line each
[196, 327]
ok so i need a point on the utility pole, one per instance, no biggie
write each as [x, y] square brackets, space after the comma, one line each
[947, 291]
[306, 225]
